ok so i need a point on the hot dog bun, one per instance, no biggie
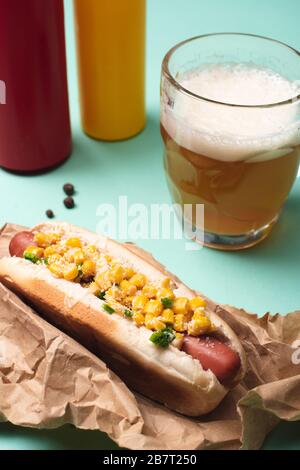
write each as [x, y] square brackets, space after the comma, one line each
[170, 376]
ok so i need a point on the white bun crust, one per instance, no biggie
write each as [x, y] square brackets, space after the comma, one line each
[169, 376]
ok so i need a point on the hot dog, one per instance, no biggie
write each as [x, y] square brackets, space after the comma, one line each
[156, 333]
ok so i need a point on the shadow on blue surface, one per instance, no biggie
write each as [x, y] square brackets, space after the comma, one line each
[90, 154]
[286, 436]
[66, 437]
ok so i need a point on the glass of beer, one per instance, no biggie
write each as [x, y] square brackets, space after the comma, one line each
[230, 123]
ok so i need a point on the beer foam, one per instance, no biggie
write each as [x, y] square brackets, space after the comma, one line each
[233, 133]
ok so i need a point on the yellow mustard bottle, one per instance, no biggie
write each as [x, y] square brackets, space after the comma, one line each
[110, 38]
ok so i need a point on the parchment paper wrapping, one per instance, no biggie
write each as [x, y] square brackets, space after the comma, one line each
[47, 379]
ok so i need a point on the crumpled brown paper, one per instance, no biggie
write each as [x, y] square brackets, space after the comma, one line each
[47, 379]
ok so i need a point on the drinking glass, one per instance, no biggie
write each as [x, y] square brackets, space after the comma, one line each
[230, 119]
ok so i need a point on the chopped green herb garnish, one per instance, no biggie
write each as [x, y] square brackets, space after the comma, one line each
[128, 313]
[108, 309]
[163, 337]
[31, 257]
[101, 295]
[167, 302]
[79, 267]
[45, 260]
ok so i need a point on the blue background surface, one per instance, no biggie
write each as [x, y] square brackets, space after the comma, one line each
[262, 279]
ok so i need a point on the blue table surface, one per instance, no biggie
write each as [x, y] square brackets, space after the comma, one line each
[262, 279]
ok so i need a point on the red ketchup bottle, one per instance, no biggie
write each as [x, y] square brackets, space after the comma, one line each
[34, 114]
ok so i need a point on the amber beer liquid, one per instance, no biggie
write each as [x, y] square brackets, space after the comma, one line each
[240, 162]
[238, 196]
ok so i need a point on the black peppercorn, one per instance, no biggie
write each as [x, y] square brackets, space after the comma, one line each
[49, 214]
[69, 202]
[69, 189]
